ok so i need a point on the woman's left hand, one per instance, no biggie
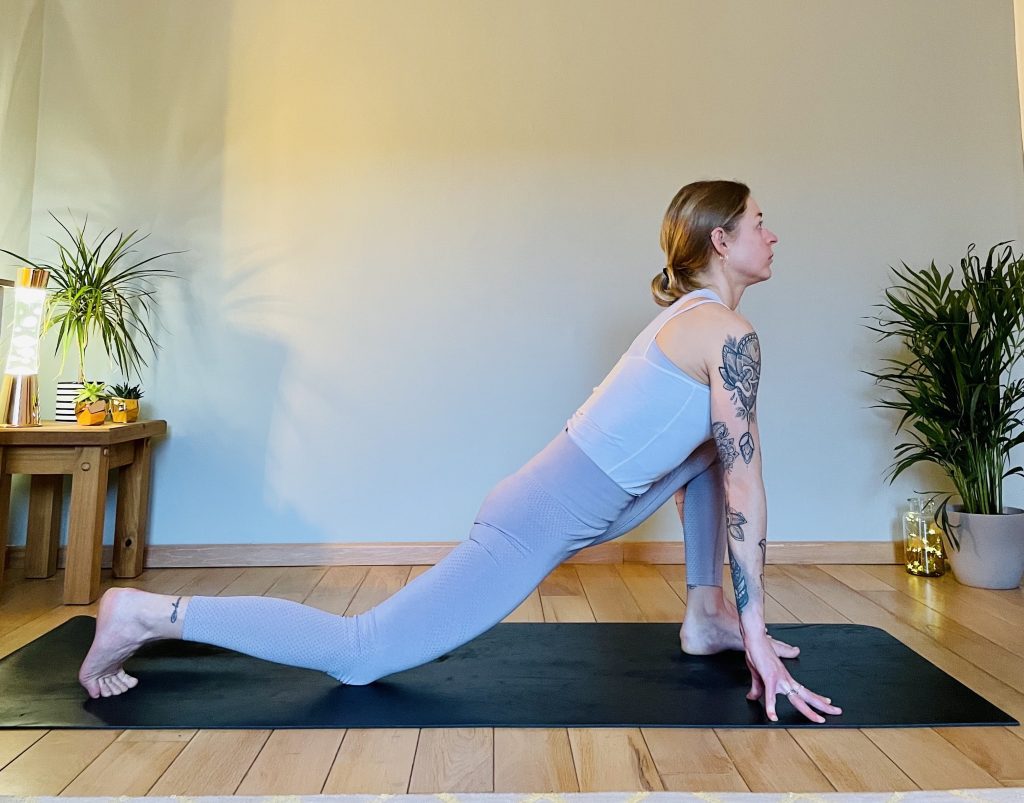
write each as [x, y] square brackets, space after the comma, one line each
[770, 678]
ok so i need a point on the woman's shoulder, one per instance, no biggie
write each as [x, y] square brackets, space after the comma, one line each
[694, 341]
[707, 317]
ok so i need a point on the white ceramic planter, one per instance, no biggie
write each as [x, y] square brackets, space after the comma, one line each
[991, 553]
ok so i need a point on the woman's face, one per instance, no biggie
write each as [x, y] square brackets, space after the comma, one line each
[750, 245]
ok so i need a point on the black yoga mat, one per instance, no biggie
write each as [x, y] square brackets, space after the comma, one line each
[514, 675]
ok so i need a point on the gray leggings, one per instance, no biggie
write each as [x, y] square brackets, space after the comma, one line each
[530, 522]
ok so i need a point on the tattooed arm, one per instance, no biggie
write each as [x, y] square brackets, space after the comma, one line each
[734, 363]
[735, 373]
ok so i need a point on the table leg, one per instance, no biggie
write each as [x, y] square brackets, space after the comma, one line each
[85, 525]
[5, 511]
[43, 540]
[132, 513]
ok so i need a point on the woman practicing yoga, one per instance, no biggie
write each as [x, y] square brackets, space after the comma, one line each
[676, 415]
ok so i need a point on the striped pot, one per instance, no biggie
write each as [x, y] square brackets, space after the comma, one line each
[66, 392]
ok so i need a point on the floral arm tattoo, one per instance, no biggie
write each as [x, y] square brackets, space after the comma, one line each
[741, 374]
[735, 523]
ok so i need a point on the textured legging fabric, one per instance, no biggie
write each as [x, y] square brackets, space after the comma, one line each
[530, 522]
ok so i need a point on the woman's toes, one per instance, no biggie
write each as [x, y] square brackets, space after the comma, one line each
[128, 680]
[105, 687]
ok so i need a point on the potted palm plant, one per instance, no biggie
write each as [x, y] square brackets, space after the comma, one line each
[957, 393]
[91, 404]
[100, 291]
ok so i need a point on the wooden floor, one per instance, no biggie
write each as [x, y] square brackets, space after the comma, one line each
[976, 636]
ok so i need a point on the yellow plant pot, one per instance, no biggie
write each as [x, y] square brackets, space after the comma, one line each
[124, 411]
[91, 413]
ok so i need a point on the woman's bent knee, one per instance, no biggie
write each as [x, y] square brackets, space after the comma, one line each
[355, 677]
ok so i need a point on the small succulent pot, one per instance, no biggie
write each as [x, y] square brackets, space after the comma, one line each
[91, 413]
[124, 411]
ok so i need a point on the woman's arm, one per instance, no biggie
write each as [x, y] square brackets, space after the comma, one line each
[734, 378]
[735, 373]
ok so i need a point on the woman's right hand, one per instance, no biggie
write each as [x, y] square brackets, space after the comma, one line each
[769, 678]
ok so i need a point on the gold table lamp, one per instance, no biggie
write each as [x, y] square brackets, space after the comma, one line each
[19, 397]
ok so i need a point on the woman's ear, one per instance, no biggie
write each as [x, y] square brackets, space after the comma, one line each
[718, 241]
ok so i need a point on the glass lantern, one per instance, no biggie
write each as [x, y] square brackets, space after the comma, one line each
[922, 539]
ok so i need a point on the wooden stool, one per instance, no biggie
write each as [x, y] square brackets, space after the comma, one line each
[50, 451]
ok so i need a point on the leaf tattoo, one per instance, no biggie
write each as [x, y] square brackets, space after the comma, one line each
[741, 372]
[726, 451]
[735, 520]
[739, 584]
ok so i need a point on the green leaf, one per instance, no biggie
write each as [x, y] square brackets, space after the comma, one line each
[958, 345]
[101, 292]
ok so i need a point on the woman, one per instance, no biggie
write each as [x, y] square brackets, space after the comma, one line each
[676, 415]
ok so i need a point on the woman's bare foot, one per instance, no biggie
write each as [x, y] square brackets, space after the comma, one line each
[712, 625]
[126, 620]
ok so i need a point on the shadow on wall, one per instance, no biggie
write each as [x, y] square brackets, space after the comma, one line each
[212, 464]
[211, 471]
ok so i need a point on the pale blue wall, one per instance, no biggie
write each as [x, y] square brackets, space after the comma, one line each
[419, 233]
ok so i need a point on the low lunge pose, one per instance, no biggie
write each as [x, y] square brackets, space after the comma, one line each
[675, 416]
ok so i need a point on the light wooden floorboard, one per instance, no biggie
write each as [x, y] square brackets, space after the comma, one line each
[851, 762]
[54, 761]
[772, 761]
[653, 595]
[929, 760]
[131, 764]
[533, 760]
[377, 761]
[214, 762]
[14, 743]
[292, 762]
[973, 634]
[689, 759]
[335, 591]
[995, 750]
[613, 759]
[453, 760]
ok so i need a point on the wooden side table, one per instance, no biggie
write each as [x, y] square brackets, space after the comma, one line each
[49, 451]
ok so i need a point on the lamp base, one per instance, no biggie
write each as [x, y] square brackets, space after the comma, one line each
[19, 401]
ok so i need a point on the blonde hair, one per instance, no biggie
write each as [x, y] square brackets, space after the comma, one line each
[697, 210]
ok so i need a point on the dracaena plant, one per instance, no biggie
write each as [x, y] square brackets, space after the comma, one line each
[100, 294]
[956, 393]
